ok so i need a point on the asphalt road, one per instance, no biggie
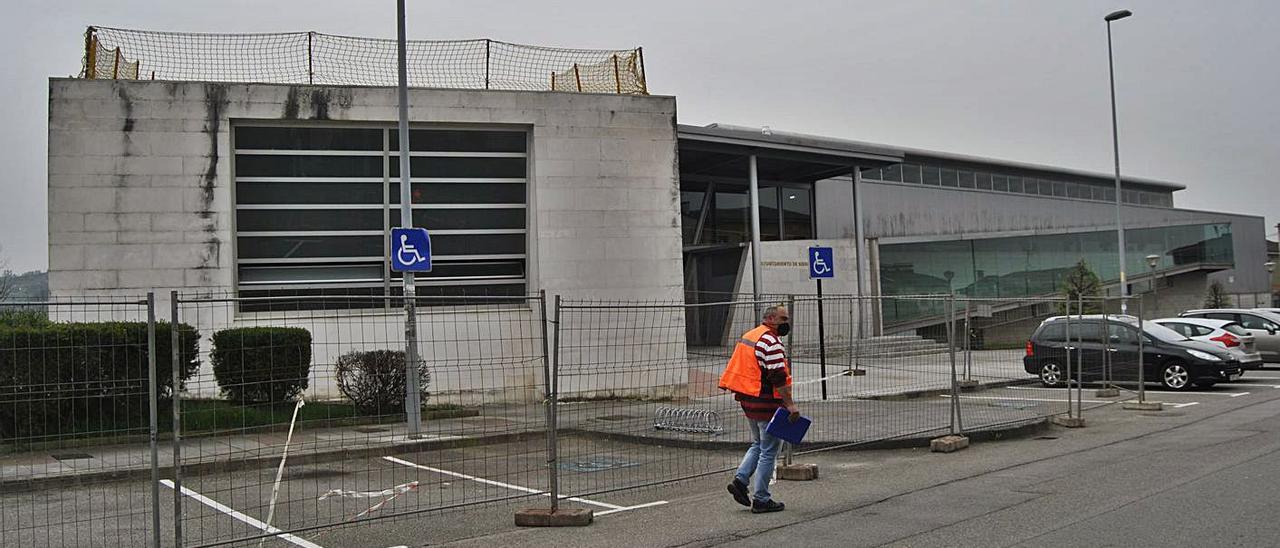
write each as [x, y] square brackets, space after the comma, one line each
[1199, 475]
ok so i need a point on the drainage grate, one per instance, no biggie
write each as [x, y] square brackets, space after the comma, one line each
[71, 456]
[596, 465]
[371, 430]
[1047, 438]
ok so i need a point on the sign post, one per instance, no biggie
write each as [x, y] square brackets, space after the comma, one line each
[399, 238]
[821, 265]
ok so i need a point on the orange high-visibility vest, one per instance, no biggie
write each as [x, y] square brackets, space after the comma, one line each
[743, 374]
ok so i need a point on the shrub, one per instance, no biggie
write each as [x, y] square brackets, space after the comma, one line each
[261, 364]
[69, 378]
[16, 317]
[375, 381]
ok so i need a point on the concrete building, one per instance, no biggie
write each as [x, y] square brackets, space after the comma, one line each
[264, 189]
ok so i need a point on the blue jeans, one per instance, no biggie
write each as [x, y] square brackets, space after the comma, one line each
[759, 459]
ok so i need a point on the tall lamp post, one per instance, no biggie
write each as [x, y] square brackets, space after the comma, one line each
[1152, 262]
[1115, 140]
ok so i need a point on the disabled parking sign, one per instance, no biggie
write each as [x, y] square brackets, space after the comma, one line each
[822, 263]
[410, 250]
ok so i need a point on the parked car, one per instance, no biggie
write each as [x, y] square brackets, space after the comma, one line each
[1168, 357]
[1271, 310]
[1265, 327]
[1228, 334]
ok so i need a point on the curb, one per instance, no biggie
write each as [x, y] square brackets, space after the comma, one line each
[1014, 431]
[913, 394]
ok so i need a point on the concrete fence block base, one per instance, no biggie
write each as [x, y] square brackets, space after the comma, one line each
[1143, 406]
[967, 385]
[948, 444]
[1107, 393]
[798, 472]
[1068, 422]
[545, 517]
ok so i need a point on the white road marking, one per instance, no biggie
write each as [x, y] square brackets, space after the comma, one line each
[636, 507]
[1013, 398]
[243, 518]
[1227, 394]
[500, 484]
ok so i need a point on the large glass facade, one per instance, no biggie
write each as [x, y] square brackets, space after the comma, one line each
[1036, 265]
[786, 212]
[932, 175]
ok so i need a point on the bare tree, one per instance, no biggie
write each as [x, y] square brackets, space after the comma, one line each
[8, 282]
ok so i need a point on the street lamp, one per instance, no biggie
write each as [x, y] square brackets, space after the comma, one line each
[1115, 139]
[1152, 262]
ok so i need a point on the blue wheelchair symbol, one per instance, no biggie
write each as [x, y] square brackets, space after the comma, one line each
[822, 263]
[410, 250]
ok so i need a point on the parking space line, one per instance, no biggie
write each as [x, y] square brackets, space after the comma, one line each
[243, 518]
[636, 507]
[1105, 402]
[500, 484]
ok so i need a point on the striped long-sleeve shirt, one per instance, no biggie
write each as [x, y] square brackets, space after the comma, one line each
[771, 356]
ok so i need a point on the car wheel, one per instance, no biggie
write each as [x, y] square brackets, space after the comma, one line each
[1175, 376]
[1051, 375]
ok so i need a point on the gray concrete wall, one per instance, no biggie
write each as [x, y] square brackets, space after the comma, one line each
[140, 193]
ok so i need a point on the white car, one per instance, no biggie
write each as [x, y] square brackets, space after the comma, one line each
[1225, 333]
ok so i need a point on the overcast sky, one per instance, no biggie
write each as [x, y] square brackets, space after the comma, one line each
[1197, 81]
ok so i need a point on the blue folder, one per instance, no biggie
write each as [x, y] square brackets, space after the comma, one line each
[782, 427]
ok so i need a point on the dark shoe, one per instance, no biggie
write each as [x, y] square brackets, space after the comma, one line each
[758, 507]
[739, 492]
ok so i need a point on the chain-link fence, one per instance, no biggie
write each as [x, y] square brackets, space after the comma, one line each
[290, 415]
[323, 59]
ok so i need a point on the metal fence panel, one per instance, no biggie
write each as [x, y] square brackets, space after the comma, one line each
[76, 398]
[296, 415]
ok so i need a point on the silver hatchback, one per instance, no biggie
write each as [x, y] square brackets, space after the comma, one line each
[1265, 327]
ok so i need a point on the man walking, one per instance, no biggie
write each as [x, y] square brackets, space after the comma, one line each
[760, 377]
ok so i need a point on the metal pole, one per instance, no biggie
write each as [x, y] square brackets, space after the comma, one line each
[1067, 348]
[154, 394]
[311, 72]
[1079, 358]
[951, 350]
[1142, 382]
[968, 335]
[487, 44]
[754, 190]
[553, 463]
[176, 402]
[822, 343]
[413, 392]
[1115, 140]
[860, 247]
[1155, 293]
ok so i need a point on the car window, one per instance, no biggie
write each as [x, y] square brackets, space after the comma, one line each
[1182, 328]
[1221, 316]
[1090, 332]
[1120, 334]
[1235, 329]
[1054, 332]
[1199, 331]
[1161, 332]
[1249, 321]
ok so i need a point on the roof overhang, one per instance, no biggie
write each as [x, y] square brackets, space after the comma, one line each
[719, 150]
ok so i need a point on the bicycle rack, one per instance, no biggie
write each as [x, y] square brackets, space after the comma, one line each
[696, 421]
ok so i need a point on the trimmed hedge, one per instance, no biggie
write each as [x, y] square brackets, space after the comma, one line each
[74, 378]
[375, 381]
[262, 364]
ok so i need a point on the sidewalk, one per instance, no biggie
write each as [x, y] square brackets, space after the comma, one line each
[890, 403]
